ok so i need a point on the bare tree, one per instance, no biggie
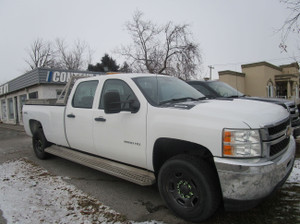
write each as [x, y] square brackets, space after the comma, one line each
[41, 54]
[166, 49]
[59, 55]
[291, 23]
[76, 58]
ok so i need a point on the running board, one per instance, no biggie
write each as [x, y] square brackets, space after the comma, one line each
[129, 173]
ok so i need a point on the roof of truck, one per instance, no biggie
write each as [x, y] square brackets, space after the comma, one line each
[127, 75]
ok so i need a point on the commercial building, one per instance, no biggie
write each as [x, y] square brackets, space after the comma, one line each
[40, 83]
[257, 79]
[263, 79]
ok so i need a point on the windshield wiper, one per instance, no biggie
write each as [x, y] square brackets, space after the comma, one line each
[181, 99]
[235, 96]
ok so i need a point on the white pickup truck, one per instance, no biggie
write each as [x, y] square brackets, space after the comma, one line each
[152, 128]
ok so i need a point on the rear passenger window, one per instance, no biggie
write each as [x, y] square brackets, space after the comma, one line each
[84, 94]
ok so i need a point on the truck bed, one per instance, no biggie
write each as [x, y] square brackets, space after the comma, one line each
[46, 102]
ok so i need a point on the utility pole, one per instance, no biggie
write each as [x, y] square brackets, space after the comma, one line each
[210, 71]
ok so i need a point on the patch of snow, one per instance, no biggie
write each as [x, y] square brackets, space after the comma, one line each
[30, 194]
[295, 175]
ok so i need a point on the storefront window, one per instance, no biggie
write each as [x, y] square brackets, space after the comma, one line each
[11, 114]
[22, 102]
[3, 110]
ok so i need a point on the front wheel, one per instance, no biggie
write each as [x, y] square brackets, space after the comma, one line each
[39, 143]
[190, 187]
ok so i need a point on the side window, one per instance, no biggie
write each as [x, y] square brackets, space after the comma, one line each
[115, 85]
[270, 89]
[84, 94]
[34, 95]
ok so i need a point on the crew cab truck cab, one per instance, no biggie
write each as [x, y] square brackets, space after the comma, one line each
[147, 128]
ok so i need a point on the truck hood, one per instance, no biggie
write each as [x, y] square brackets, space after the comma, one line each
[254, 114]
[278, 101]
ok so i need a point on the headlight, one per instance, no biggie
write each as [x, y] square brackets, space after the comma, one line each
[241, 143]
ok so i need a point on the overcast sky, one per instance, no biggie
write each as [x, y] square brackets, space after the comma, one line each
[230, 33]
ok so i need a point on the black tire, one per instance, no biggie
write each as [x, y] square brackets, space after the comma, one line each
[39, 143]
[190, 187]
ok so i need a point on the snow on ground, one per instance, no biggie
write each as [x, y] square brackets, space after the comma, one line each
[295, 175]
[30, 194]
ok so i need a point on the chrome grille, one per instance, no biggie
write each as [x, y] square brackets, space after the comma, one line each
[275, 138]
[278, 128]
[278, 147]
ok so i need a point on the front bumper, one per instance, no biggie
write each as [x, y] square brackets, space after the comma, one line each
[249, 181]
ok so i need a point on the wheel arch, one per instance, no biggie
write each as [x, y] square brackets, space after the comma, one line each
[166, 148]
[35, 126]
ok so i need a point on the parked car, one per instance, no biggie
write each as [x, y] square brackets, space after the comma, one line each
[220, 90]
[146, 128]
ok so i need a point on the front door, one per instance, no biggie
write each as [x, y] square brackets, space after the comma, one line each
[121, 136]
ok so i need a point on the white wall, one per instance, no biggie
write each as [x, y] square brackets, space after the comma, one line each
[44, 92]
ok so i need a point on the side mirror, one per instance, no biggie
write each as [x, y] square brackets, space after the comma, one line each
[112, 103]
[134, 106]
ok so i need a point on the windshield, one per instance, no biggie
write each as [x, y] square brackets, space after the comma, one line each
[204, 89]
[224, 89]
[159, 90]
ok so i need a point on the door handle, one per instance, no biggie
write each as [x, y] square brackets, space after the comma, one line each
[71, 115]
[100, 119]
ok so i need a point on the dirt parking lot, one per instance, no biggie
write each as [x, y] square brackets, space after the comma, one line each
[138, 203]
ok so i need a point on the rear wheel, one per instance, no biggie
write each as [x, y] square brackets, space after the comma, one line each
[190, 187]
[39, 143]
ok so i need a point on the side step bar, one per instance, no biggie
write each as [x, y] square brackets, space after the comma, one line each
[129, 173]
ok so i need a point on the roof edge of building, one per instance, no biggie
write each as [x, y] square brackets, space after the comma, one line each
[40, 75]
[294, 64]
[262, 63]
[229, 72]
[49, 69]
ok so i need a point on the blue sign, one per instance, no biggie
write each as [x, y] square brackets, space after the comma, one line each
[63, 77]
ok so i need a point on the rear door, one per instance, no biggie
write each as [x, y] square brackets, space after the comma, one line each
[79, 117]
